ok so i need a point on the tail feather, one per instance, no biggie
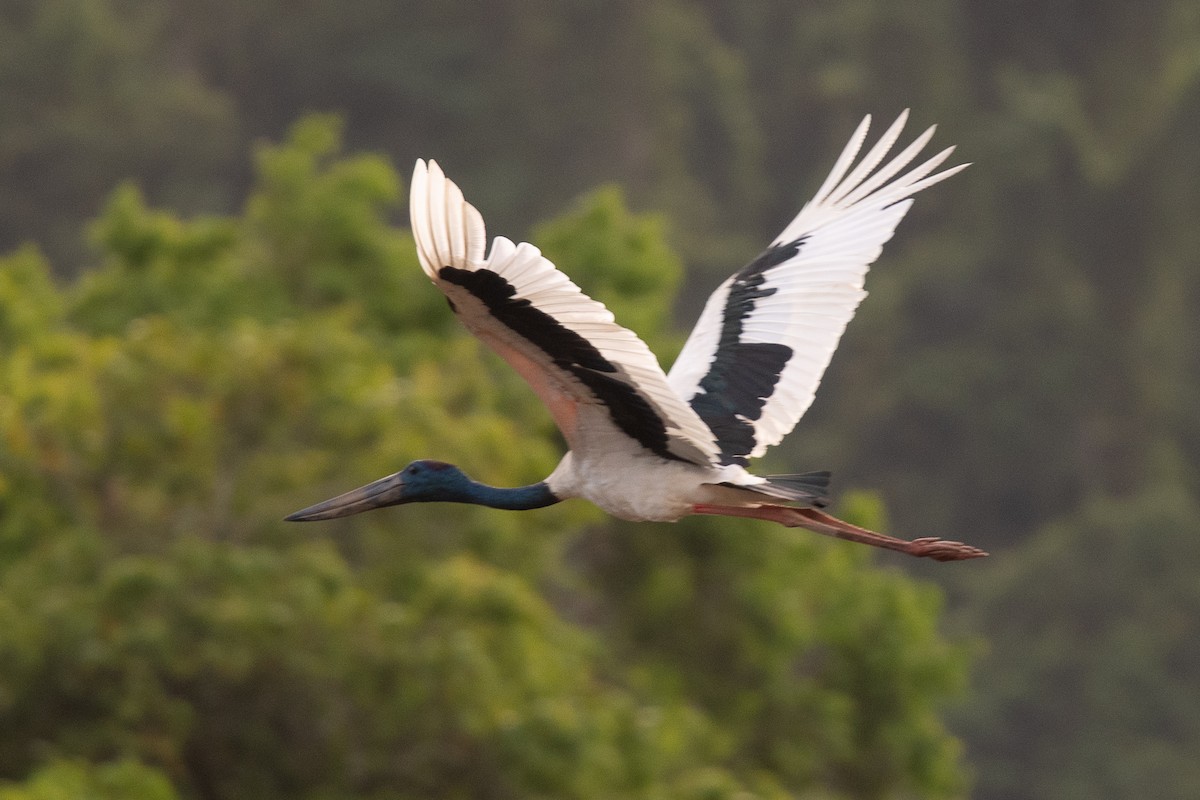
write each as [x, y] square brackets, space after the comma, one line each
[810, 488]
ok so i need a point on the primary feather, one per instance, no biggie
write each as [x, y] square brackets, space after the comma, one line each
[752, 364]
[566, 345]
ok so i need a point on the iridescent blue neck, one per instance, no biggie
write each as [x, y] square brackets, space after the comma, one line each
[427, 482]
[521, 498]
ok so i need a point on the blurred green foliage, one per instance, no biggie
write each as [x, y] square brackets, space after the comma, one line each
[80, 780]
[1121, 653]
[165, 635]
[1023, 375]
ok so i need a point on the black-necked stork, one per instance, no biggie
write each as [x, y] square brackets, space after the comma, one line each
[645, 445]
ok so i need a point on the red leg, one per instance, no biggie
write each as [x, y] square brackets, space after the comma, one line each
[820, 522]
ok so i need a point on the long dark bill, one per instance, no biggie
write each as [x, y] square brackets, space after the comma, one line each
[384, 492]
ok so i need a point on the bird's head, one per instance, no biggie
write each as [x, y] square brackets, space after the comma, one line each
[420, 482]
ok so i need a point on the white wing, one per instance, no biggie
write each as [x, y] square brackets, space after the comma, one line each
[563, 343]
[753, 362]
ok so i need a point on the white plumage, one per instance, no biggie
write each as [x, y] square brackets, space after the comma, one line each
[645, 445]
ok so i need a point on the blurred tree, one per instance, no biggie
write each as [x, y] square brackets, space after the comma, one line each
[1028, 352]
[1094, 698]
[243, 671]
[535, 101]
[781, 640]
[91, 97]
[74, 780]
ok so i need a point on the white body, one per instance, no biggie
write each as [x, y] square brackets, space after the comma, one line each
[612, 471]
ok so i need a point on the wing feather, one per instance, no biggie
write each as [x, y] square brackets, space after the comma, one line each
[752, 364]
[567, 346]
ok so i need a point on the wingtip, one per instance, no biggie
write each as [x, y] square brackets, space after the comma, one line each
[448, 230]
[420, 174]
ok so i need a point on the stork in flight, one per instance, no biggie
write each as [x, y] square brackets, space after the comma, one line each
[649, 445]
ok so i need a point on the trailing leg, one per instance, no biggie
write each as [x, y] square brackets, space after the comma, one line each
[827, 525]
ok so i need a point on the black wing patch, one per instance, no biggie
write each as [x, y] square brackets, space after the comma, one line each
[629, 410]
[743, 375]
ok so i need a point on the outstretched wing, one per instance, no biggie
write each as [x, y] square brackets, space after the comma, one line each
[756, 356]
[563, 343]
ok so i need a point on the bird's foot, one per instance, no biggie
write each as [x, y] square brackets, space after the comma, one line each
[942, 550]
